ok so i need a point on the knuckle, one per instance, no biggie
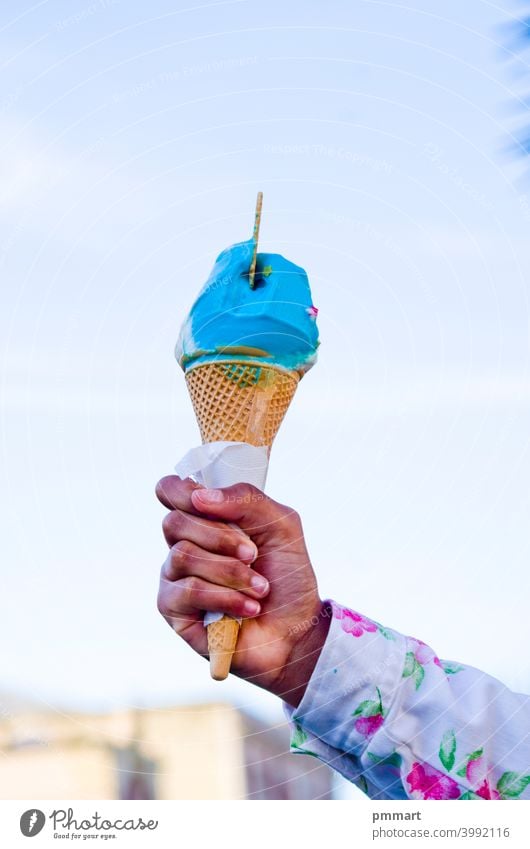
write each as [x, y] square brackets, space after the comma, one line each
[236, 489]
[191, 587]
[289, 523]
[294, 518]
[181, 552]
[185, 547]
[289, 516]
[193, 584]
[235, 574]
[227, 540]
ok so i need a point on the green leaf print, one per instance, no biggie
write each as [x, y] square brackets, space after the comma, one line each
[368, 708]
[469, 795]
[451, 668]
[410, 664]
[390, 760]
[419, 675]
[413, 669]
[384, 633]
[511, 784]
[474, 756]
[447, 750]
[299, 736]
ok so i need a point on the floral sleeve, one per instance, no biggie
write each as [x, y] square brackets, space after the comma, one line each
[384, 711]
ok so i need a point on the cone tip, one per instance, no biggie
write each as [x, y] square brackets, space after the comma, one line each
[220, 665]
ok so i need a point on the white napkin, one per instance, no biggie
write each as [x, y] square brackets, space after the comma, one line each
[220, 464]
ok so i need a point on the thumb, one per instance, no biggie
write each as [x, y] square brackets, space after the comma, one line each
[248, 507]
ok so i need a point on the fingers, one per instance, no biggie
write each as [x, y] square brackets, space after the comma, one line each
[180, 599]
[175, 493]
[243, 504]
[246, 505]
[189, 560]
[210, 535]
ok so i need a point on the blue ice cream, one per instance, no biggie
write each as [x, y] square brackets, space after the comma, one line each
[275, 322]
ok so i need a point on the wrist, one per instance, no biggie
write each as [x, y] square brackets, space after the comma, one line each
[303, 656]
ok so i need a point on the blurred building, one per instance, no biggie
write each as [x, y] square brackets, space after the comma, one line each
[210, 751]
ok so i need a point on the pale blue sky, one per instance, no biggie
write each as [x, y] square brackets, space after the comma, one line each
[133, 140]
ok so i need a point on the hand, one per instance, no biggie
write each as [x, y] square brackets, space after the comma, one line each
[208, 568]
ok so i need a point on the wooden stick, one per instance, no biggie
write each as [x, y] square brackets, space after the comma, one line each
[255, 236]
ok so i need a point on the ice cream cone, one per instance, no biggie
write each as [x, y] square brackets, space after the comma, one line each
[237, 401]
[222, 641]
[249, 337]
[240, 401]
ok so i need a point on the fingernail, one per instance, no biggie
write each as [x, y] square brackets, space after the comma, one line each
[251, 607]
[260, 584]
[247, 551]
[209, 496]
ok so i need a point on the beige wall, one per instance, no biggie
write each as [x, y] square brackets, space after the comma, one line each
[199, 751]
[196, 753]
[55, 773]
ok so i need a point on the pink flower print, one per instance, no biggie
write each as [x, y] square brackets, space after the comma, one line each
[425, 782]
[368, 725]
[416, 660]
[477, 773]
[353, 623]
[370, 715]
[476, 768]
[487, 792]
[423, 653]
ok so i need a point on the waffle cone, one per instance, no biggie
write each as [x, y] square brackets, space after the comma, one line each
[222, 640]
[237, 402]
